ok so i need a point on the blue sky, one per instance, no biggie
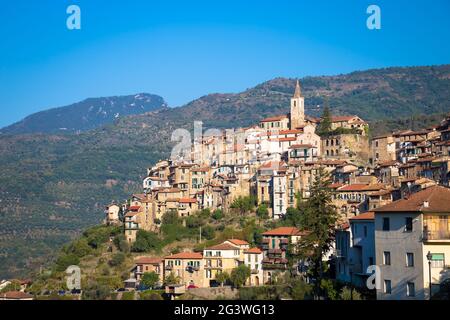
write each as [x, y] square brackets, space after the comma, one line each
[182, 50]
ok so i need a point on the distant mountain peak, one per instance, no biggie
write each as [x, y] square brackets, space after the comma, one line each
[85, 115]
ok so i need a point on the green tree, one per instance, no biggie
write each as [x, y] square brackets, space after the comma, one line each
[171, 217]
[66, 260]
[117, 259]
[171, 279]
[350, 294]
[300, 290]
[239, 275]
[208, 232]
[318, 217]
[218, 214]
[244, 204]
[121, 243]
[222, 278]
[150, 279]
[146, 241]
[262, 212]
[324, 127]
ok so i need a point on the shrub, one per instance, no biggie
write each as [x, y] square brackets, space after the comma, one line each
[151, 295]
[348, 294]
[96, 292]
[240, 275]
[66, 260]
[117, 259]
[121, 243]
[208, 232]
[146, 241]
[262, 211]
[218, 214]
[150, 279]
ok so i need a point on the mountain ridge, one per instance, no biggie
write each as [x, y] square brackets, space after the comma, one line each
[85, 115]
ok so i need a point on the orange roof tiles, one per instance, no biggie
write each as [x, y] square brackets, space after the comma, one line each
[238, 242]
[283, 231]
[186, 255]
[253, 251]
[223, 246]
[276, 118]
[435, 199]
[364, 216]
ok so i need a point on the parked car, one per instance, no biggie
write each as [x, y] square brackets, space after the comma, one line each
[192, 287]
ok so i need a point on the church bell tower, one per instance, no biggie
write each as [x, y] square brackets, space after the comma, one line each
[297, 108]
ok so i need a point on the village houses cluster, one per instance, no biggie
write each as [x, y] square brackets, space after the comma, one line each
[392, 193]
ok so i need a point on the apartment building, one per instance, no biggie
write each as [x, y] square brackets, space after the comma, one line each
[187, 267]
[406, 232]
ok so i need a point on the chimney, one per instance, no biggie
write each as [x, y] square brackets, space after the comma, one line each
[426, 204]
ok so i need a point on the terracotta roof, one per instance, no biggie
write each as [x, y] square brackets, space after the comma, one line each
[185, 255]
[16, 295]
[434, 200]
[364, 216]
[204, 169]
[272, 119]
[187, 200]
[295, 131]
[342, 118]
[134, 208]
[253, 250]
[238, 242]
[130, 214]
[170, 190]
[388, 163]
[148, 260]
[298, 146]
[336, 185]
[283, 231]
[223, 246]
[362, 187]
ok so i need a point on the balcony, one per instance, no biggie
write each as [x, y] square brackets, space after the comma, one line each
[169, 267]
[436, 235]
[192, 269]
[255, 271]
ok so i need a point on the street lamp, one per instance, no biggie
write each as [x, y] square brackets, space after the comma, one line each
[429, 257]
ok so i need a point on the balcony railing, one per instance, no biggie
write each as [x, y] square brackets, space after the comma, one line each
[436, 235]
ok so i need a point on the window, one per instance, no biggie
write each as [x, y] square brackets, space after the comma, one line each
[410, 289]
[387, 286]
[409, 224]
[387, 258]
[208, 274]
[437, 261]
[386, 224]
[410, 259]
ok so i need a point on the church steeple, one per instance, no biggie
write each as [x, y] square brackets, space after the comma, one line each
[298, 90]
[297, 108]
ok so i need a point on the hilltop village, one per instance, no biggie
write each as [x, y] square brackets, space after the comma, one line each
[391, 192]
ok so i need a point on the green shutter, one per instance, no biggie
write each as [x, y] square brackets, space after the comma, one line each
[437, 257]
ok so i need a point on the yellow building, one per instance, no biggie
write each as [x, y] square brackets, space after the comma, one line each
[188, 267]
